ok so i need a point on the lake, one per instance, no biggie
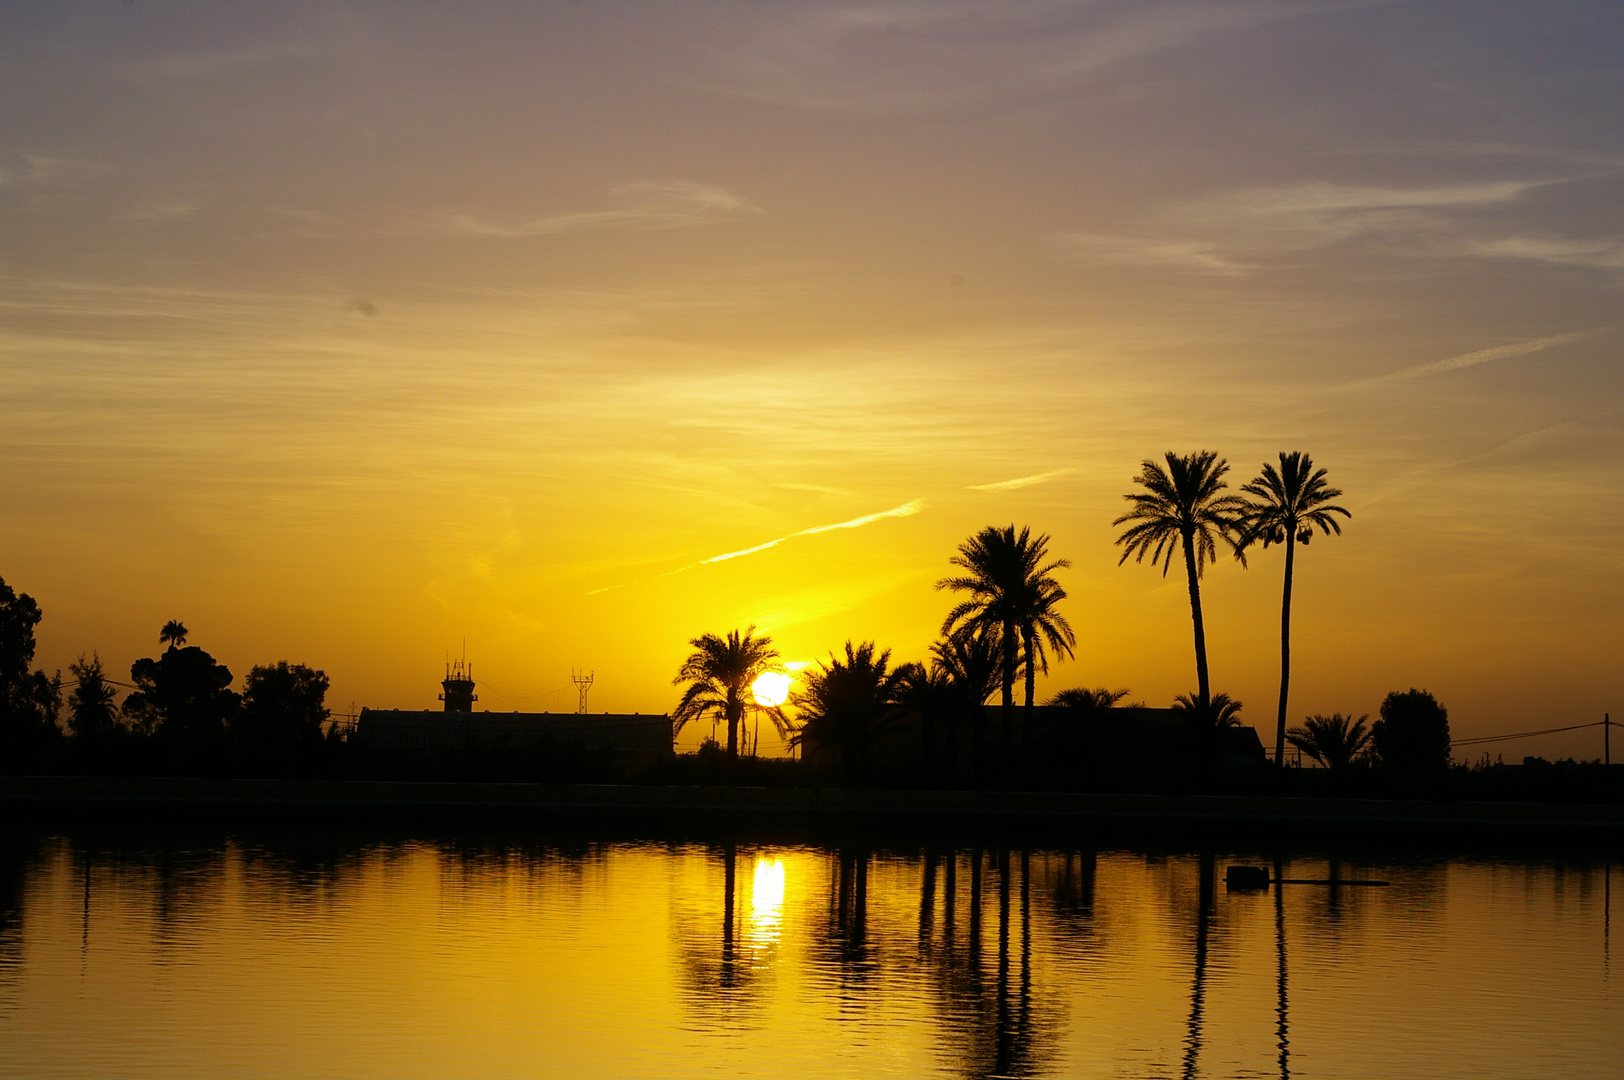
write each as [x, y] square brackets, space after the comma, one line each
[176, 955]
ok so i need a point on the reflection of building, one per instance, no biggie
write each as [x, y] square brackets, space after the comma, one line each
[630, 737]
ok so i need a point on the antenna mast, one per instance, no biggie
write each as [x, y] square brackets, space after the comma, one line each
[583, 683]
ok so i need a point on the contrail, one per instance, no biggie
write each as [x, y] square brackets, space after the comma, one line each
[905, 510]
[1483, 356]
[1021, 481]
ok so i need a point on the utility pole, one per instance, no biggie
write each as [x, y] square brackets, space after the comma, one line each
[1607, 738]
[583, 683]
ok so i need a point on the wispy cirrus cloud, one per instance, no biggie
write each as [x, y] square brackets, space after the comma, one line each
[1602, 253]
[1022, 481]
[1484, 356]
[1198, 256]
[908, 509]
[1237, 232]
[905, 510]
[645, 205]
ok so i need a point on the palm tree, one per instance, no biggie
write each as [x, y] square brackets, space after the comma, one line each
[1181, 509]
[1286, 507]
[1014, 599]
[1335, 741]
[969, 665]
[1082, 698]
[93, 703]
[1220, 711]
[173, 634]
[846, 701]
[719, 672]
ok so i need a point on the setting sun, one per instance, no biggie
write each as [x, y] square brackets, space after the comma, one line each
[771, 688]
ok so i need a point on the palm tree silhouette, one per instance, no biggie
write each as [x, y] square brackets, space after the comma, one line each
[1220, 711]
[969, 666]
[1181, 509]
[1085, 699]
[1286, 507]
[719, 672]
[1014, 596]
[173, 634]
[846, 701]
[1335, 741]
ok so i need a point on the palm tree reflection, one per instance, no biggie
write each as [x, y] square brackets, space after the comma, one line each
[990, 1026]
[1280, 963]
[1192, 1039]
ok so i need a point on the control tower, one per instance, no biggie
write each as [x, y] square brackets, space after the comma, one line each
[459, 687]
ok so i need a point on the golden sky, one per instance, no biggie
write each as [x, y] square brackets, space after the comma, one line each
[345, 334]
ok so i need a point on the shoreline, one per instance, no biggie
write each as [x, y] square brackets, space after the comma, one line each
[45, 799]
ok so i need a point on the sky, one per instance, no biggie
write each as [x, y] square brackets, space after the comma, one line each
[348, 333]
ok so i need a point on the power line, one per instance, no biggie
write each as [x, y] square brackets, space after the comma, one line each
[1523, 734]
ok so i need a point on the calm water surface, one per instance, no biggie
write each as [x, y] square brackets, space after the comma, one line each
[431, 958]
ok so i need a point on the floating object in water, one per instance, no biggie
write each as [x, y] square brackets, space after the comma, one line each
[1246, 877]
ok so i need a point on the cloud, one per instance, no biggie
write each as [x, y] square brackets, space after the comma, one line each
[1484, 356]
[1022, 481]
[648, 205]
[1606, 253]
[905, 510]
[1199, 256]
[1235, 232]
[908, 509]
[912, 57]
[361, 306]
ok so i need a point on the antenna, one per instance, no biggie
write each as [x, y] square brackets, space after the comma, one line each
[583, 683]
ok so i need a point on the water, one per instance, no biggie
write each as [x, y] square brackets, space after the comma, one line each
[244, 957]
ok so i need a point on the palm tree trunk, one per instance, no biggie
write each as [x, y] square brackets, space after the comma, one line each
[1008, 747]
[1285, 654]
[1203, 689]
[1031, 687]
[734, 710]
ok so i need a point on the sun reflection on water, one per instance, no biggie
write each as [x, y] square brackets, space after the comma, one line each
[766, 904]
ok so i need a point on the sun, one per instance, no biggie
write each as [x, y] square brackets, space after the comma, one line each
[771, 688]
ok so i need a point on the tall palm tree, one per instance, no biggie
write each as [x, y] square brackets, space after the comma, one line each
[1286, 507]
[1181, 510]
[719, 672]
[1013, 595]
[1335, 741]
[847, 700]
[173, 634]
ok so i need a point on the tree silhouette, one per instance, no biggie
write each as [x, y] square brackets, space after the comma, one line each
[969, 665]
[93, 703]
[719, 672]
[846, 701]
[1208, 715]
[29, 700]
[924, 691]
[1286, 507]
[1082, 698]
[1412, 735]
[183, 697]
[1335, 741]
[1014, 596]
[173, 634]
[284, 707]
[1181, 510]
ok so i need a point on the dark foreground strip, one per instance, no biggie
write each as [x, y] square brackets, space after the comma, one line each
[47, 798]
